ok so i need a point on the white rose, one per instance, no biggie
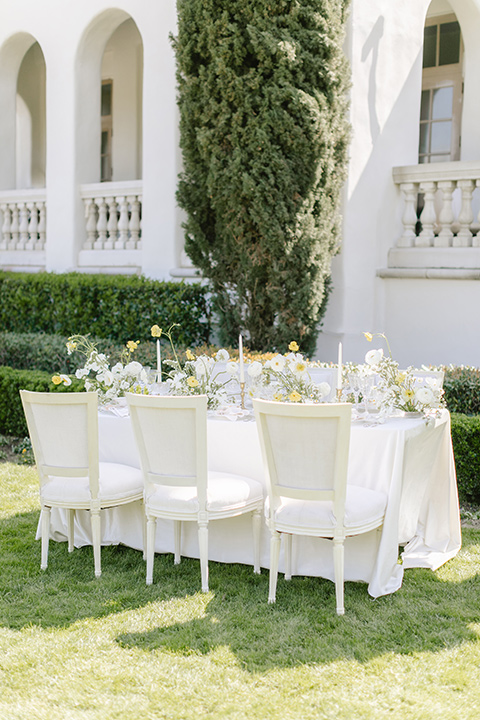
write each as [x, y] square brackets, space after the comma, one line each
[373, 357]
[424, 396]
[232, 367]
[134, 368]
[254, 369]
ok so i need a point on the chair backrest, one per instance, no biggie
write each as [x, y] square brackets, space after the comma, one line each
[171, 436]
[63, 429]
[422, 377]
[305, 451]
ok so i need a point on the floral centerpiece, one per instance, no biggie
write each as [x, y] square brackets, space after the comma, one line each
[285, 378]
[401, 388]
[110, 382]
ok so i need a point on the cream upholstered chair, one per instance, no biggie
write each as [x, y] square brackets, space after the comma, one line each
[64, 433]
[171, 435]
[305, 452]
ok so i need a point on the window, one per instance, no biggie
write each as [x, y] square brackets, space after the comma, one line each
[442, 87]
[106, 169]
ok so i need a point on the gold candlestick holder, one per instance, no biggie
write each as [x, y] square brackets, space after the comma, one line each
[242, 395]
[339, 394]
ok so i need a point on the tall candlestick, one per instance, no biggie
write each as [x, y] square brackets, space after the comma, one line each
[159, 360]
[240, 356]
[339, 369]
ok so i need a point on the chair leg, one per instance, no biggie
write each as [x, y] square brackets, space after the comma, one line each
[151, 528]
[274, 555]
[203, 546]
[177, 541]
[287, 543]
[70, 522]
[257, 525]
[45, 536]
[96, 540]
[144, 531]
[338, 568]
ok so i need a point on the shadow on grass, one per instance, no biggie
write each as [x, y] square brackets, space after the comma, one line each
[427, 614]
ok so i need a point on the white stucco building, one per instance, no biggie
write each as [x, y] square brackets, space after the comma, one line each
[89, 161]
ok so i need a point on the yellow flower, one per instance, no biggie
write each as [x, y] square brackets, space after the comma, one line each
[278, 397]
[192, 382]
[71, 346]
[56, 379]
[401, 377]
[156, 331]
[368, 336]
[132, 345]
[293, 346]
[294, 396]
[190, 355]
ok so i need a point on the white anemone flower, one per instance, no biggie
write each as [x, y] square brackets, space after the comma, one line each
[254, 369]
[373, 357]
[222, 355]
[298, 367]
[278, 363]
[66, 380]
[117, 368]
[81, 373]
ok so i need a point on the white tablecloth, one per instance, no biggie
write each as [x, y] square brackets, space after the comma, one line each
[407, 458]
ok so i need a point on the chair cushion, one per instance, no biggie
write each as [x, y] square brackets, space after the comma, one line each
[362, 506]
[225, 491]
[116, 483]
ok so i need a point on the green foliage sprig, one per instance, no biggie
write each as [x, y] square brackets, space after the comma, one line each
[262, 98]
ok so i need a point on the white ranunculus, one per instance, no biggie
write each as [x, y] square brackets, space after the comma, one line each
[278, 363]
[106, 377]
[117, 369]
[232, 367]
[134, 368]
[254, 369]
[373, 357]
[324, 389]
[222, 355]
[424, 396]
[81, 373]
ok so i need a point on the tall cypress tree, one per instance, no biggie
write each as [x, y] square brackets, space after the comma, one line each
[264, 135]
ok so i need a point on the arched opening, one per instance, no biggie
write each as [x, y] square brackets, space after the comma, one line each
[121, 105]
[442, 86]
[30, 123]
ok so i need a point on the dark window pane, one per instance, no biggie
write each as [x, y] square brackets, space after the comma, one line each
[430, 46]
[423, 147]
[106, 99]
[105, 148]
[449, 43]
[442, 105]
[425, 106]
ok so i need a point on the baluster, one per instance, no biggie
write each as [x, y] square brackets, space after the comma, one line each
[122, 241]
[91, 224]
[14, 230]
[7, 223]
[445, 217]
[134, 225]
[139, 242]
[102, 224]
[409, 218]
[476, 239]
[112, 225]
[42, 226]
[32, 227]
[465, 216]
[21, 244]
[428, 216]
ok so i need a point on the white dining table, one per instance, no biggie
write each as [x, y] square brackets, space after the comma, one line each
[409, 459]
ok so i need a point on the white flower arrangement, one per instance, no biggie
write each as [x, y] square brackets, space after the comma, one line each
[110, 382]
[285, 378]
[203, 375]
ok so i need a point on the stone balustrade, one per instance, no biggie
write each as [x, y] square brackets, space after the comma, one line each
[23, 220]
[440, 205]
[113, 215]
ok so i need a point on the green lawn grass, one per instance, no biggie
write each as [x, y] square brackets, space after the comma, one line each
[75, 647]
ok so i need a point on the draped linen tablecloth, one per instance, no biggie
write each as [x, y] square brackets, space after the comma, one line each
[409, 459]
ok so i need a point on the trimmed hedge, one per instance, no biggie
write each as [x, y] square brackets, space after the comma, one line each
[12, 418]
[462, 390]
[466, 449]
[116, 307]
